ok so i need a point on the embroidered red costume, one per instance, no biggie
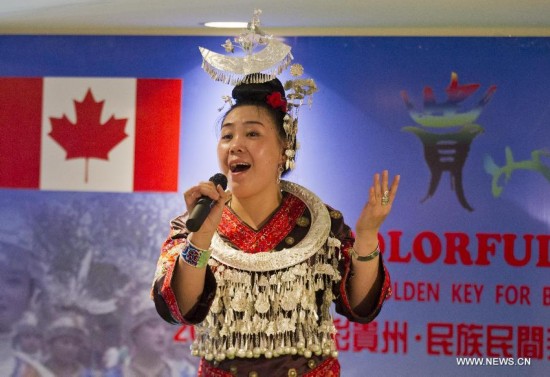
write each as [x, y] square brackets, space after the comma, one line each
[265, 308]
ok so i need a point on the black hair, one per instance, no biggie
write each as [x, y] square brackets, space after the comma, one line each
[255, 94]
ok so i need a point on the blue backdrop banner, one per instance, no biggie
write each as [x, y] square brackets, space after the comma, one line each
[464, 121]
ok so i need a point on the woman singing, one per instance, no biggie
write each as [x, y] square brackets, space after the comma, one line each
[258, 278]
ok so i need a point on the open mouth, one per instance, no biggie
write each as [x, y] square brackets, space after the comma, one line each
[239, 167]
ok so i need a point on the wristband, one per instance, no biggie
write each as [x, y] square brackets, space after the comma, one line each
[366, 258]
[194, 256]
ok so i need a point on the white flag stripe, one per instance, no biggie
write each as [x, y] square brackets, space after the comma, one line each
[115, 174]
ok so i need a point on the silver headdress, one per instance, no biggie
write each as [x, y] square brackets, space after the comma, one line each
[261, 67]
[258, 67]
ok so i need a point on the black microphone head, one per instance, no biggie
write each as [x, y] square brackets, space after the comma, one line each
[219, 179]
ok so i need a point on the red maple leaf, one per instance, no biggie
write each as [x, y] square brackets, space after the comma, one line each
[88, 138]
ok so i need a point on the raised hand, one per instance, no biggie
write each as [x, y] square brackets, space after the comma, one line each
[378, 206]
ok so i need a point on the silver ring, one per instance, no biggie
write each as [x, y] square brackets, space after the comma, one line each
[385, 198]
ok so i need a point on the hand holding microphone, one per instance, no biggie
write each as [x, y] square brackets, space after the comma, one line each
[209, 197]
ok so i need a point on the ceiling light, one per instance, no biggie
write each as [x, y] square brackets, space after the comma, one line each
[227, 25]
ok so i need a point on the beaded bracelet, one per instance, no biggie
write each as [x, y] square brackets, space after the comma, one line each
[366, 258]
[194, 256]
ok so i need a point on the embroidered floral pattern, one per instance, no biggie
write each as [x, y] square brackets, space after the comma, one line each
[270, 235]
[328, 368]
[165, 267]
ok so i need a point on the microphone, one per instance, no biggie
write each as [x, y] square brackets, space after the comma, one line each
[204, 204]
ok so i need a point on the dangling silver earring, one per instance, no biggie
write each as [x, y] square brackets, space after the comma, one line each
[280, 170]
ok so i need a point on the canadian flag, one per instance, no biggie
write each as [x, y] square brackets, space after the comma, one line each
[89, 134]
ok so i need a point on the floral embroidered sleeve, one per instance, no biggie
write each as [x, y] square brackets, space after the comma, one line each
[162, 292]
[343, 307]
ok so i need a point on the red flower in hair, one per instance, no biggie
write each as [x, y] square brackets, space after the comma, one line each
[276, 101]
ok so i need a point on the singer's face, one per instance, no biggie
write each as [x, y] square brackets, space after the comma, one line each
[250, 150]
